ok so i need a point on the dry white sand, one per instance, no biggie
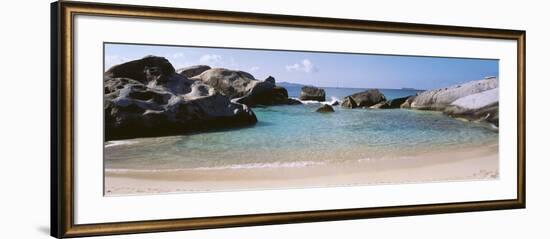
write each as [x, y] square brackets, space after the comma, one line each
[466, 163]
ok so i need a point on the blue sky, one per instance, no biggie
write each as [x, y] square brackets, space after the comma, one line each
[319, 68]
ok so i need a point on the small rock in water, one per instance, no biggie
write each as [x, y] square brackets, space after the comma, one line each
[325, 109]
[291, 101]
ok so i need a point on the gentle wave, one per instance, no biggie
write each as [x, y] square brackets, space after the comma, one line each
[124, 170]
[109, 144]
[378, 159]
[333, 100]
[299, 164]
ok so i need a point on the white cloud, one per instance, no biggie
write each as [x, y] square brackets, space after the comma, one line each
[254, 68]
[308, 66]
[210, 59]
[305, 66]
[293, 67]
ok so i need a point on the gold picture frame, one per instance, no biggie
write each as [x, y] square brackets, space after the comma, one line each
[62, 128]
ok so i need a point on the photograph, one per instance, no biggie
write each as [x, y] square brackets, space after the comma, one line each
[195, 119]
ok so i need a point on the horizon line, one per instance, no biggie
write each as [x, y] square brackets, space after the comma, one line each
[403, 88]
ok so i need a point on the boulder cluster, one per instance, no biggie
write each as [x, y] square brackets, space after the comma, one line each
[148, 97]
[474, 100]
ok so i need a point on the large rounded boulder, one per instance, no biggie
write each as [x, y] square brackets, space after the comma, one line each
[233, 84]
[364, 99]
[481, 106]
[439, 99]
[243, 88]
[149, 68]
[312, 93]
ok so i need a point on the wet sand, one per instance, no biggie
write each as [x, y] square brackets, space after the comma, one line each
[462, 164]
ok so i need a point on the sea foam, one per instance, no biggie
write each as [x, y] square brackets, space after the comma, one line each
[109, 144]
[298, 164]
[333, 100]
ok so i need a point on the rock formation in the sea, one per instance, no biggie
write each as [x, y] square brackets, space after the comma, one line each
[243, 88]
[391, 104]
[191, 71]
[481, 106]
[335, 103]
[312, 93]
[441, 98]
[348, 102]
[325, 109]
[363, 99]
[474, 100]
[291, 101]
[408, 101]
[146, 98]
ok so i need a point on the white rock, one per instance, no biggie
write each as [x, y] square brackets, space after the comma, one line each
[439, 99]
[479, 100]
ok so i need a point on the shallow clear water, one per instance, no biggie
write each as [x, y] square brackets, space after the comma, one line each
[289, 136]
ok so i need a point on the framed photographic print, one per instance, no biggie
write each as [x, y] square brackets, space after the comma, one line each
[170, 119]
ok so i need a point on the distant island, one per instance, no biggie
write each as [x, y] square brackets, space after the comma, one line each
[289, 84]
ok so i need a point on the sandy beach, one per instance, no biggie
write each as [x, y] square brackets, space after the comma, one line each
[466, 163]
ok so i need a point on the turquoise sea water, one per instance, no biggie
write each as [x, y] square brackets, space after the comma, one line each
[296, 136]
[339, 93]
